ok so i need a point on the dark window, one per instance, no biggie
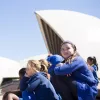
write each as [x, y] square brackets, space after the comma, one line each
[53, 41]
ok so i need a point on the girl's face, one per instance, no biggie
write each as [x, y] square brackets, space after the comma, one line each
[89, 62]
[67, 50]
[30, 71]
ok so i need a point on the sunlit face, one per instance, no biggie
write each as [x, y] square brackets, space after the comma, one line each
[89, 62]
[29, 70]
[67, 50]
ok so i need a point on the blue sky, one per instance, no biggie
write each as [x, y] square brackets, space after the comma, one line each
[20, 36]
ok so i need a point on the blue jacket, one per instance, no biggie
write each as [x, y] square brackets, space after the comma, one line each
[61, 83]
[95, 72]
[42, 87]
[54, 60]
[94, 67]
[86, 83]
[23, 83]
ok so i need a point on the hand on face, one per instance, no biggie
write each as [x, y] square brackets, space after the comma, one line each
[26, 75]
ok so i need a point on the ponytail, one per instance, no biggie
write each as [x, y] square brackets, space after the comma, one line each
[95, 62]
[44, 65]
[43, 68]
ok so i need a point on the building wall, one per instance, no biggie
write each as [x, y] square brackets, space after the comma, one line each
[9, 87]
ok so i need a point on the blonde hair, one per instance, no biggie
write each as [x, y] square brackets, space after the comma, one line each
[44, 65]
[34, 64]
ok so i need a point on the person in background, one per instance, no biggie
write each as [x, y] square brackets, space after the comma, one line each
[93, 66]
[38, 82]
[16, 94]
[76, 66]
[93, 63]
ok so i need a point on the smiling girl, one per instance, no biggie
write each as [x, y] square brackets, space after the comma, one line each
[77, 67]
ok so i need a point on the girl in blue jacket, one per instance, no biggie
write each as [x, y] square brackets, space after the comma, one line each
[77, 67]
[64, 85]
[38, 84]
[93, 66]
[93, 63]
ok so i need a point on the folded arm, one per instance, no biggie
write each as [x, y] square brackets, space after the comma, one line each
[69, 68]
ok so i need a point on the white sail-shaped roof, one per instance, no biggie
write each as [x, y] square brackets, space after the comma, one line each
[8, 68]
[61, 25]
[82, 29]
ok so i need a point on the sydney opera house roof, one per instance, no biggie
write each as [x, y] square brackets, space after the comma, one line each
[61, 25]
[8, 68]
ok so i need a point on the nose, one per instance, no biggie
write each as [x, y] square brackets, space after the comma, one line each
[65, 51]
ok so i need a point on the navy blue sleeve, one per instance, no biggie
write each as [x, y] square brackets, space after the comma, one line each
[51, 70]
[69, 68]
[33, 85]
[23, 83]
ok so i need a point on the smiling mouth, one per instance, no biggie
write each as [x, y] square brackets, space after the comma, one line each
[66, 54]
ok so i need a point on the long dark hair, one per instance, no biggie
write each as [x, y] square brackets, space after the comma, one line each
[93, 59]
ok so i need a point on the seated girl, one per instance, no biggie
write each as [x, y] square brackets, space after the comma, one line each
[77, 67]
[62, 84]
[38, 83]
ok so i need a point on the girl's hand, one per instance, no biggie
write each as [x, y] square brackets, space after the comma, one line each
[26, 75]
[68, 75]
